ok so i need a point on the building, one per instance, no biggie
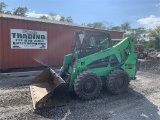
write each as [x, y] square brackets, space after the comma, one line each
[24, 39]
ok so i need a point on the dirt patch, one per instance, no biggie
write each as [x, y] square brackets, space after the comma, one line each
[15, 98]
[151, 65]
[140, 102]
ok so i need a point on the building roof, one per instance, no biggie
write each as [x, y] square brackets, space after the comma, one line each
[49, 21]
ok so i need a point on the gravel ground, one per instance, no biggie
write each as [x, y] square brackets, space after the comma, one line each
[141, 102]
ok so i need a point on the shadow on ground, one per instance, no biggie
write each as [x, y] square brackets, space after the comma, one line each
[131, 105]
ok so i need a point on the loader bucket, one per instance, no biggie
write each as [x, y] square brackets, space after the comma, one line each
[49, 89]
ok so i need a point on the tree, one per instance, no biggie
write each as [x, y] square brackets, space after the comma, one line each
[20, 11]
[67, 19]
[139, 32]
[131, 34]
[83, 24]
[97, 25]
[150, 44]
[117, 28]
[52, 14]
[62, 19]
[2, 6]
[154, 35]
[43, 17]
[8, 12]
[125, 26]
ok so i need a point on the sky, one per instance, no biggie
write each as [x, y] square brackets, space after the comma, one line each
[140, 13]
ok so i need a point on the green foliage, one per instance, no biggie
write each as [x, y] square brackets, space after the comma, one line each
[125, 26]
[97, 25]
[138, 34]
[43, 17]
[8, 12]
[83, 24]
[117, 28]
[151, 44]
[144, 43]
[62, 19]
[132, 34]
[52, 14]
[67, 19]
[154, 35]
[20, 11]
[2, 6]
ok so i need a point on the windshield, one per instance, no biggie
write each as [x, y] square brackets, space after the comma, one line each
[91, 43]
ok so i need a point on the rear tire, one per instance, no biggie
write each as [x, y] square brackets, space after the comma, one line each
[87, 85]
[117, 82]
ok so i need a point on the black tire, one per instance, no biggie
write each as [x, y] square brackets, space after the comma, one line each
[141, 56]
[87, 85]
[117, 82]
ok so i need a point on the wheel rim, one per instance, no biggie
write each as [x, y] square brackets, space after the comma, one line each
[89, 86]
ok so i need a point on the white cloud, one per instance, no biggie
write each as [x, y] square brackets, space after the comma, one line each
[37, 15]
[149, 22]
[57, 17]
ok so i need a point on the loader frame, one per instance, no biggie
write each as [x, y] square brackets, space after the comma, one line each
[123, 51]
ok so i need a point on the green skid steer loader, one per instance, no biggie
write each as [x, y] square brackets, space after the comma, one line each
[94, 61]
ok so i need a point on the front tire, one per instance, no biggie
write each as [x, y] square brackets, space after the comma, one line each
[117, 82]
[87, 85]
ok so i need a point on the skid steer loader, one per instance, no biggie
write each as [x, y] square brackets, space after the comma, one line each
[93, 61]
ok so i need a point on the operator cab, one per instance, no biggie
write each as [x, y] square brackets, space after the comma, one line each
[89, 42]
